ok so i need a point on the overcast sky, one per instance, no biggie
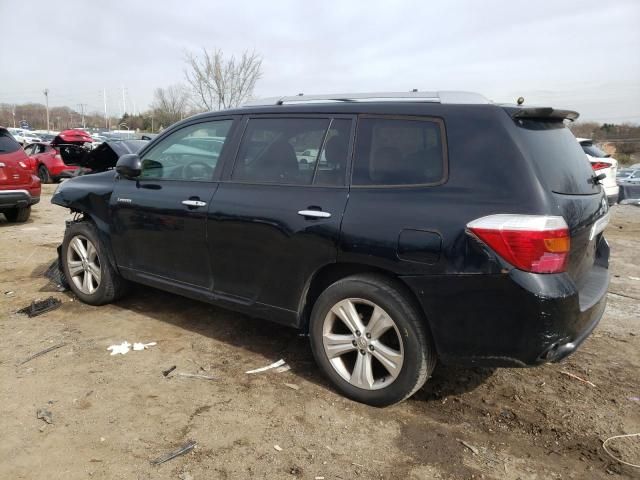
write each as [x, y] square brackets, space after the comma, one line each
[583, 55]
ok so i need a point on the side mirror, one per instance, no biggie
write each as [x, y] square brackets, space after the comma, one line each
[129, 166]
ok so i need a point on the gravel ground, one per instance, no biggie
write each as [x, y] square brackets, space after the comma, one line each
[113, 414]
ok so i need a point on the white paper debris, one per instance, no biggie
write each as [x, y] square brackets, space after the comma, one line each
[120, 349]
[277, 364]
[141, 346]
[277, 448]
[125, 346]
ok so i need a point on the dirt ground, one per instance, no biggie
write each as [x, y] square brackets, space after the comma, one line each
[113, 414]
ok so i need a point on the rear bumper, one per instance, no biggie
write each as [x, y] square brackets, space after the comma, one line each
[517, 319]
[17, 198]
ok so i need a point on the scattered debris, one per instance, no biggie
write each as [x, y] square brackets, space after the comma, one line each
[634, 399]
[278, 448]
[39, 307]
[604, 447]
[569, 374]
[292, 386]
[186, 448]
[469, 446]
[196, 375]
[125, 346]
[296, 470]
[45, 415]
[357, 465]
[121, 348]
[634, 278]
[319, 478]
[185, 476]
[42, 352]
[141, 346]
[9, 293]
[280, 363]
[56, 275]
[168, 370]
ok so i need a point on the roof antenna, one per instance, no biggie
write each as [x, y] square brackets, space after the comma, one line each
[414, 90]
[520, 100]
[300, 94]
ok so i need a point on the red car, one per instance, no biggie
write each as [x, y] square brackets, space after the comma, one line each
[46, 158]
[19, 188]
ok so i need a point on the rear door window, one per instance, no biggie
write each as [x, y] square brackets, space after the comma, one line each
[558, 158]
[399, 151]
[280, 150]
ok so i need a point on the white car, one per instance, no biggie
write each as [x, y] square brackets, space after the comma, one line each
[602, 162]
[28, 138]
[17, 133]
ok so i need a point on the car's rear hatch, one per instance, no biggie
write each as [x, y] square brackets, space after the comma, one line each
[14, 164]
[564, 171]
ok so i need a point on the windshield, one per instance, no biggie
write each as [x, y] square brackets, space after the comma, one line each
[591, 149]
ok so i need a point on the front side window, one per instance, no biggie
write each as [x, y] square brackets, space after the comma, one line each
[190, 153]
[393, 151]
[280, 150]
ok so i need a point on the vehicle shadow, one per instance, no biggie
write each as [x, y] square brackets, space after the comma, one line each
[271, 340]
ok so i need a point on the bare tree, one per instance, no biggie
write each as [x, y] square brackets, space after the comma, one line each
[218, 82]
[170, 104]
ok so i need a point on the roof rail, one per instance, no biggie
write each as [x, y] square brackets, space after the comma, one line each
[413, 96]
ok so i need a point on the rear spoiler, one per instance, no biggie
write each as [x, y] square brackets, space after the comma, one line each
[541, 113]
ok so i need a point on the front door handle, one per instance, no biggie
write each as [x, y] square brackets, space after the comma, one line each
[314, 213]
[194, 203]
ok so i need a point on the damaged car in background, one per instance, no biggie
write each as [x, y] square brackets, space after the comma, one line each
[396, 229]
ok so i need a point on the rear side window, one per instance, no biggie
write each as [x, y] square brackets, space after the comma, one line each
[591, 149]
[7, 143]
[559, 159]
[280, 150]
[392, 151]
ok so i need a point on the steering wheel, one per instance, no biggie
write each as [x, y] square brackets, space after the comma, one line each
[205, 171]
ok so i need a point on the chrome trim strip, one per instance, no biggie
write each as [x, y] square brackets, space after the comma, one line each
[314, 213]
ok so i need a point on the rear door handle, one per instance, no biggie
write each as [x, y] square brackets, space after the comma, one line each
[314, 213]
[194, 203]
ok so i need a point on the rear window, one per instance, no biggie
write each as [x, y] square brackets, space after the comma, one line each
[558, 157]
[591, 149]
[7, 143]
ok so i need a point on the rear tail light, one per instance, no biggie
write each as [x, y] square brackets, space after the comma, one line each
[600, 165]
[534, 243]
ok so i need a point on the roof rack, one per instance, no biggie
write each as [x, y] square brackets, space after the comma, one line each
[413, 96]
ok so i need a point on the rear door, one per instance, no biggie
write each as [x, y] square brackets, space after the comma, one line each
[275, 219]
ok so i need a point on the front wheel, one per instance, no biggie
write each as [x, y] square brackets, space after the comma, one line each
[86, 266]
[371, 340]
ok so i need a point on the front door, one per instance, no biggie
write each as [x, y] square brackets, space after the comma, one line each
[159, 219]
[275, 219]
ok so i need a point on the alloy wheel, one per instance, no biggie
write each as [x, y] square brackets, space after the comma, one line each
[363, 343]
[84, 264]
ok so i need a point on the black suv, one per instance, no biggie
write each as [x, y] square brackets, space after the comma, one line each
[396, 229]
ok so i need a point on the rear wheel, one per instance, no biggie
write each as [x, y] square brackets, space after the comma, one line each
[87, 268]
[43, 174]
[371, 340]
[18, 214]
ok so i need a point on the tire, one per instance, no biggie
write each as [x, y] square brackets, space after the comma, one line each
[406, 340]
[18, 214]
[88, 286]
[43, 174]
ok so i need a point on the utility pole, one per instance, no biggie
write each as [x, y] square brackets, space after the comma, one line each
[124, 102]
[13, 112]
[106, 117]
[82, 105]
[46, 98]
